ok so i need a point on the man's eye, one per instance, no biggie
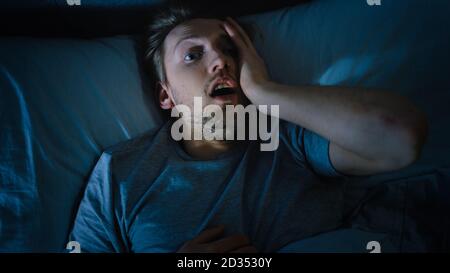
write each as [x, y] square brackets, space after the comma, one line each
[192, 56]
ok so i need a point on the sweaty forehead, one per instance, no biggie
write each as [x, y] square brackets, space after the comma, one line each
[199, 28]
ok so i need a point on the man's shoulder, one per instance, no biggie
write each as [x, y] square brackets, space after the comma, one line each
[128, 155]
[135, 144]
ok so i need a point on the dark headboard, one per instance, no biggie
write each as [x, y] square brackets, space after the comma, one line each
[93, 18]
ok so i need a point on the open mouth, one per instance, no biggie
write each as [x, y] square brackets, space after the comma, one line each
[223, 87]
[223, 91]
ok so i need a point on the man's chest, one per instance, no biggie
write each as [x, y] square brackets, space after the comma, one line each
[261, 202]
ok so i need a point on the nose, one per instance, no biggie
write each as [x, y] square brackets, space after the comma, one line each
[219, 62]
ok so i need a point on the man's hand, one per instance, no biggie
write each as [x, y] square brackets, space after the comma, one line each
[370, 131]
[208, 242]
[252, 70]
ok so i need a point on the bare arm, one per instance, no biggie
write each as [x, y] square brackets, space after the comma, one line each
[370, 131]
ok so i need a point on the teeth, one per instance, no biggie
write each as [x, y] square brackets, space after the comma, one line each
[221, 86]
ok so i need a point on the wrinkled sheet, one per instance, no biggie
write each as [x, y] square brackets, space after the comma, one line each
[63, 101]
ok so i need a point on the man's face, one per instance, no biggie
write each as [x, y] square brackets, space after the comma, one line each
[198, 57]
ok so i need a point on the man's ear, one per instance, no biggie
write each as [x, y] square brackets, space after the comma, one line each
[165, 101]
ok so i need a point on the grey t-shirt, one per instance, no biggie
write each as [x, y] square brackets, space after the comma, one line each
[148, 195]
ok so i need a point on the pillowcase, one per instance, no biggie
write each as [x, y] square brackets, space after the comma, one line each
[63, 101]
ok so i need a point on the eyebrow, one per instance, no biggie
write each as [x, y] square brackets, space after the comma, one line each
[222, 38]
[184, 39]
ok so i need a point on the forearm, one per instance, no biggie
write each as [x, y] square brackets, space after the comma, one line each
[376, 126]
[372, 124]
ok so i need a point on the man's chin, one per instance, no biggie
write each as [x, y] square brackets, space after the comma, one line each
[225, 100]
[233, 99]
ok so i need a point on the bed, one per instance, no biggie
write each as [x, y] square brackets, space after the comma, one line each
[63, 100]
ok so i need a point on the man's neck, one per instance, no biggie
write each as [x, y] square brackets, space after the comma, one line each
[207, 150]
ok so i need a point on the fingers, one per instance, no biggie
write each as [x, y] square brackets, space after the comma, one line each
[230, 243]
[235, 36]
[209, 235]
[242, 34]
[246, 249]
[210, 241]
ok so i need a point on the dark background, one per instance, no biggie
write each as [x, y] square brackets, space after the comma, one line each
[94, 18]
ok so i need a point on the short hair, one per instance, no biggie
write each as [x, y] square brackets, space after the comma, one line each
[166, 19]
[163, 21]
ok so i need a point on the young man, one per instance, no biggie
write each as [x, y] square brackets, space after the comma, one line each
[154, 194]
